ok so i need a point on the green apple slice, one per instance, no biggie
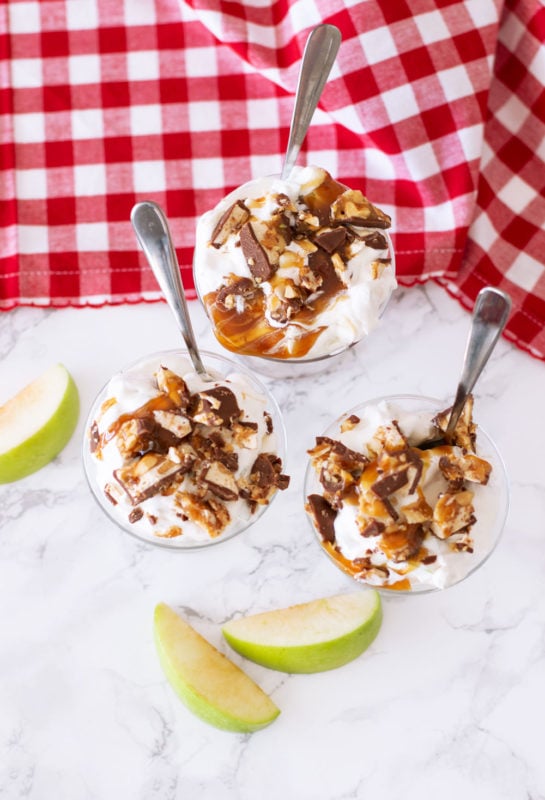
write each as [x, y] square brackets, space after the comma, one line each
[37, 423]
[310, 637]
[209, 684]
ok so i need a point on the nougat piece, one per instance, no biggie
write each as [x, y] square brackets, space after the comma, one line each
[147, 476]
[209, 513]
[229, 224]
[453, 511]
[174, 386]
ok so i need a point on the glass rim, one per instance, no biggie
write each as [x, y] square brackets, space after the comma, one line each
[170, 544]
[499, 520]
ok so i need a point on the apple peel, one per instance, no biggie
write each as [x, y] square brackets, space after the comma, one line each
[37, 423]
[309, 637]
[208, 683]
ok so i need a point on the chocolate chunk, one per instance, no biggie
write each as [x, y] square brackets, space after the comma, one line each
[320, 263]
[389, 484]
[268, 422]
[376, 240]
[140, 435]
[330, 239]
[374, 528]
[262, 472]
[429, 559]
[229, 223]
[217, 407]
[241, 287]
[135, 515]
[255, 255]
[323, 516]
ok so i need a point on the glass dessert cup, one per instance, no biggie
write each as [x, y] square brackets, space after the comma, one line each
[245, 385]
[316, 300]
[452, 566]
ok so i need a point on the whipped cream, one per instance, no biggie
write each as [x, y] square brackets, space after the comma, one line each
[441, 562]
[295, 309]
[206, 500]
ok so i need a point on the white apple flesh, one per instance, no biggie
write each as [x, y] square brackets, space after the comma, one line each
[310, 637]
[37, 423]
[209, 684]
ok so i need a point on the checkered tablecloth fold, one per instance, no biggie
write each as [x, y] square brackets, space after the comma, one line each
[434, 109]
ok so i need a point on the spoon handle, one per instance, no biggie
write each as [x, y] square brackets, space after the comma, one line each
[152, 232]
[320, 52]
[490, 314]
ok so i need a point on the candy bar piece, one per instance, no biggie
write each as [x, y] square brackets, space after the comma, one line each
[139, 435]
[389, 484]
[229, 223]
[264, 478]
[404, 542]
[177, 424]
[349, 423]
[371, 573]
[323, 516]
[462, 541]
[468, 467]
[452, 512]
[418, 511]
[214, 448]
[285, 302]
[148, 475]
[220, 481]
[330, 239]
[216, 407]
[389, 438]
[375, 240]
[255, 255]
[353, 208]
[209, 513]
[245, 434]
[174, 386]
[465, 431]
[327, 448]
[373, 528]
[407, 461]
[236, 291]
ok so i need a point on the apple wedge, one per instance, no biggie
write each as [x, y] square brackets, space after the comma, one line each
[310, 637]
[209, 684]
[37, 423]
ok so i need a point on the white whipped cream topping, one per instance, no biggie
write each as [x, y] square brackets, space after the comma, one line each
[351, 315]
[135, 387]
[450, 566]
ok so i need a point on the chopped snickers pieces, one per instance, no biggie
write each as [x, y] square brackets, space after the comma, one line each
[323, 516]
[397, 507]
[230, 222]
[185, 445]
[351, 207]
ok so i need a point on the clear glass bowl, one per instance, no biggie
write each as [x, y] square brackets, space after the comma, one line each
[218, 366]
[290, 367]
[485, 537]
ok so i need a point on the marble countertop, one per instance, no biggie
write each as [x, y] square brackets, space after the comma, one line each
[447, 702]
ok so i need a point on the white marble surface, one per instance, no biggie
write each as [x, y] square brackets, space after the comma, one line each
[449, 700]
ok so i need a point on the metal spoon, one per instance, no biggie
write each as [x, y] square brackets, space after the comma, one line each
[152, 232]
[490, 314]
[320, 51]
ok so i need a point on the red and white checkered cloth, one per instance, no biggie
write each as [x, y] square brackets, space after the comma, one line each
[434, 108]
